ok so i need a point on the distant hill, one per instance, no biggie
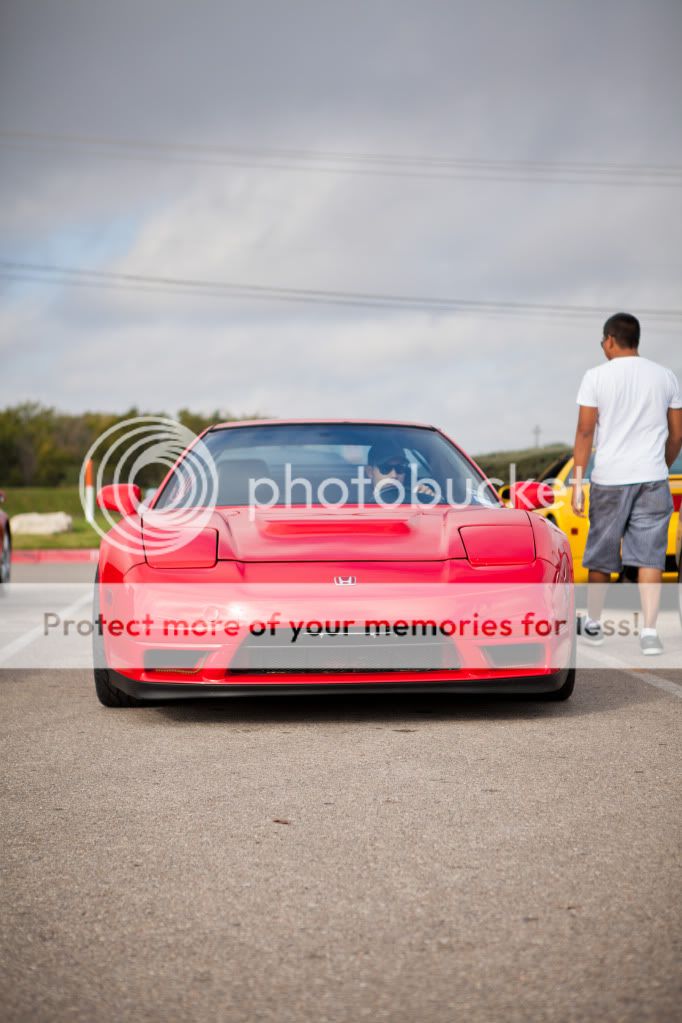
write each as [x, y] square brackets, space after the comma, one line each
[530, 462]
[42, 447]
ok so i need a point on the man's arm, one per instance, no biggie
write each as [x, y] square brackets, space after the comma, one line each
[582, 449]
[674, 441]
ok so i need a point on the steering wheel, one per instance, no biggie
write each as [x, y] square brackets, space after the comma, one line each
[390, 495]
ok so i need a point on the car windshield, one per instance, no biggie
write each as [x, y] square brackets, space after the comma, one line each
[322, 464]
[552, 471]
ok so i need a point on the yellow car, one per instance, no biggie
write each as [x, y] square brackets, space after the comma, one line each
[558, 475]
[678, 556]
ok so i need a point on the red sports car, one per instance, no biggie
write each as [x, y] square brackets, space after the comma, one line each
[324, 556]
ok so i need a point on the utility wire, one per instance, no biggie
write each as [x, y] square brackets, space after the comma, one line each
[336, 155]
[48, 273]
[528, 315]
[328, 162]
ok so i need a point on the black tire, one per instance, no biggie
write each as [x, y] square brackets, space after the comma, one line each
[6, 557]
[679, 589]
[565, 692]
[107, 694]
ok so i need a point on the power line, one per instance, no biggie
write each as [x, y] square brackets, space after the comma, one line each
[485, 312]
[382, 164]
[336, 155]
[52, 274]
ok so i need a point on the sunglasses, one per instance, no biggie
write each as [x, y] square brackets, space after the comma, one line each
[385, 467]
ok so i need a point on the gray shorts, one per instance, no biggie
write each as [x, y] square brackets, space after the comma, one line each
[637, 514]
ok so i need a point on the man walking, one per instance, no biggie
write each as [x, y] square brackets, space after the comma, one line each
[636, 409]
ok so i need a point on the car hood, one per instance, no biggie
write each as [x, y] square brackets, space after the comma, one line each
[369, 534]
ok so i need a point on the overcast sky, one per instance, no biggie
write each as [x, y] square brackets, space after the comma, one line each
[500, 80]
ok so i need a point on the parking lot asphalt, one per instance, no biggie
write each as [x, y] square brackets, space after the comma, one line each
[399, 858]
[402, 858]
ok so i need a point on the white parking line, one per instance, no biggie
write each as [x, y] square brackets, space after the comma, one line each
[6, 652]
[651, 680]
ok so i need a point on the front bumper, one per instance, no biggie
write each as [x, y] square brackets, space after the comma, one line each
[533, 685]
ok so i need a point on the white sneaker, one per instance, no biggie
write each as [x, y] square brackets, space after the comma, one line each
[650, 645]
[589, 630]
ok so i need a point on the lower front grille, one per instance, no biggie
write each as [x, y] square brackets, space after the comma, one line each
[283, 653]
[188, 662]
[515, 655]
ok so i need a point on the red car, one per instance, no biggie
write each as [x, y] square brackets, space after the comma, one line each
[5, 545]
[324, 556]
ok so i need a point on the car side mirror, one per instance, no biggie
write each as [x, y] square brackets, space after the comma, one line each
[531, 495]
[123, 498]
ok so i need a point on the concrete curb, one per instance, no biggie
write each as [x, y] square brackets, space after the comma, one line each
[55, 555]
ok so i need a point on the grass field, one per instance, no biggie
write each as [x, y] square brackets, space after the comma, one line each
[42, 499]
[52, 499]
[529, 463]
[81, 535]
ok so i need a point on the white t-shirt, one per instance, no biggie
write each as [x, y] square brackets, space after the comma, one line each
[632, 396]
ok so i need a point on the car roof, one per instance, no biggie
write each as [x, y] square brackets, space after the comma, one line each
[298, 422]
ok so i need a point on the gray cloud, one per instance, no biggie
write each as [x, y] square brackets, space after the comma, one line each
[524, 81]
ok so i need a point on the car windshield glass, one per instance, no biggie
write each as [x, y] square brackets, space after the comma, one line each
[676, 467]
[323, 464]
[551, 472]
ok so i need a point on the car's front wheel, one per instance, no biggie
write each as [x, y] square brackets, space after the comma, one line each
[107, 693]
[566, 690]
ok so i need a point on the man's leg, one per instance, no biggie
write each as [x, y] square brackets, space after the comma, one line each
[644, 544]
[609, 511]
[596, 593]
[649, 580]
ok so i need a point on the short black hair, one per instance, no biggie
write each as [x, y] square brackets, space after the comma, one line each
[385, 452]
[624, 328]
